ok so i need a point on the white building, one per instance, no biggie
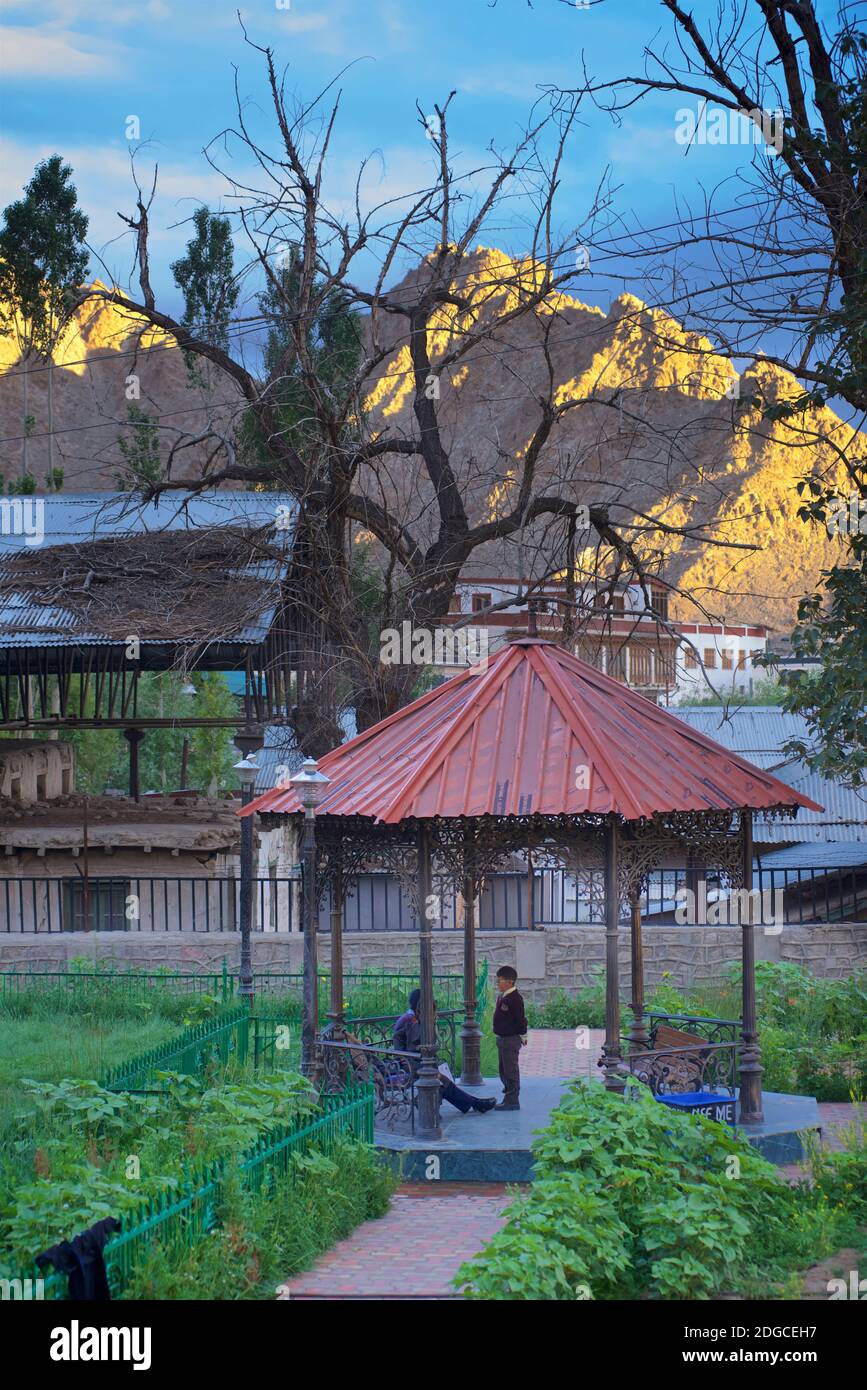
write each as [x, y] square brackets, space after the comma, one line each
[719, 659]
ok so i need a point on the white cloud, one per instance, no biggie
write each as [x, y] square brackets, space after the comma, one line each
[66, 12]
[101, 174]
[46, 52]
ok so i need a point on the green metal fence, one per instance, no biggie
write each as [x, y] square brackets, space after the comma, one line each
[194, 1050]
[366, 992]
[134, 984]
[180, 1220]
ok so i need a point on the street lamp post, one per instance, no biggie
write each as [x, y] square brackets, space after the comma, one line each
[310, 786]
[247, 770]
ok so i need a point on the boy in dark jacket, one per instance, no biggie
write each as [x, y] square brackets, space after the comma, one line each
[510, 1030]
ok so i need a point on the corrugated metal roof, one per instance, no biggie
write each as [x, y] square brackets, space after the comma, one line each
[833, 855]
[279, 749]
[84, 520]
[73, 517]
[510, 740]
[759, 733]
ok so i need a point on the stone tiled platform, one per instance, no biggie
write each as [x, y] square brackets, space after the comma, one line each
[477, 1148]
[495, 1147]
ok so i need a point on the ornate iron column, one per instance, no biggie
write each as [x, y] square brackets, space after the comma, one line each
[638, 1036]
[471, 1033]
[246, 769]
[750, 1095]
[310, 786]
[611, 1052]
[335, 1012]
[428, 1083]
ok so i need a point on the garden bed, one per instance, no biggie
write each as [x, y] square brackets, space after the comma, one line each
[207, 1130]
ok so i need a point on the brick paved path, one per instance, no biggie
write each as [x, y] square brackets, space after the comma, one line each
[553, 1052]
[411, 1252]
[417, 1247]
[430, 1229]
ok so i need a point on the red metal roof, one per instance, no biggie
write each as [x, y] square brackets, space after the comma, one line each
[511, 740]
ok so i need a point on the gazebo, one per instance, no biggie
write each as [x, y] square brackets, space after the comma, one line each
[535, 752]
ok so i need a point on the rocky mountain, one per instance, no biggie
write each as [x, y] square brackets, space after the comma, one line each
[664, 432]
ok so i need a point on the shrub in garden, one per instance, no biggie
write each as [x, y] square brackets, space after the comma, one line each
[68, 1165]
[267, 1236]
[633, 1200]
[564, 1010]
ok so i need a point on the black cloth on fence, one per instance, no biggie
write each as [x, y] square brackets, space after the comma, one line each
[81, 1259]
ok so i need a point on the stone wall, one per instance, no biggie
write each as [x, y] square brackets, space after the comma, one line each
[556, 958]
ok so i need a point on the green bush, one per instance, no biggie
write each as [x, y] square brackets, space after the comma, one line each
[67, 1164]
[813, 1031]
[267, 1236]
[634, 1200]
[563, 1010]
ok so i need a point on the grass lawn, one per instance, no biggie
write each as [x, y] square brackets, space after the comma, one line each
[68, 1046]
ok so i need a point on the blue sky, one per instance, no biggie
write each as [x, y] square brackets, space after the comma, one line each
[74, 70]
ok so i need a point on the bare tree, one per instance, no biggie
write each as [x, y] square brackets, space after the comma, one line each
[774, 265]
[408, 490]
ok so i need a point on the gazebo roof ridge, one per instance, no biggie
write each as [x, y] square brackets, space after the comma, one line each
[506, 741]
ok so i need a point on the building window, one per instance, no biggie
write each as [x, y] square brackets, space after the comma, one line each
[710, 658]
[455, 605]
[640, 666]
[15, 788]
[106, 904]
[742, 660]
[660, 604]
[690, 660]
[727, 662]
[480, 602]
[610, 603]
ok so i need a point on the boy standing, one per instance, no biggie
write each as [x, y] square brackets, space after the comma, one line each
[510, 1030]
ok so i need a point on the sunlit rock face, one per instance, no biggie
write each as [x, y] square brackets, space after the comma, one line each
[106, 360]
[664, 434]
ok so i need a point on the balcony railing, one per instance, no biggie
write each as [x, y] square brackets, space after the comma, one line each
[375, 902]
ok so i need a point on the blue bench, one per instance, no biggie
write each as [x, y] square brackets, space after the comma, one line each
[717, 1107]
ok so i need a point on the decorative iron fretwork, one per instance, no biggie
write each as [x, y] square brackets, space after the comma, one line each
[475, 849]
[671, 1070]
[378, 1031]
[390, 1072]
[709, 838]
[714, 1030]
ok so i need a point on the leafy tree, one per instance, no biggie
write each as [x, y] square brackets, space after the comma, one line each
[102, 755]
[327, 365]
[832, 625]
[43, 259]
[140, 448]
[206, 278]
[212, 752]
